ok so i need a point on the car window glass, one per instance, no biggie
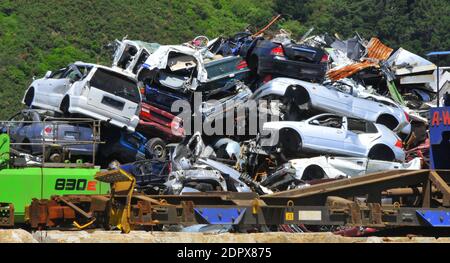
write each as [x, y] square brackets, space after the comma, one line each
[360, 126]
[116, 84]
[343, 88]
[328, 121]
[73, 74]
[58, 74]
[84, 70]
[141, 60]
[356, 126]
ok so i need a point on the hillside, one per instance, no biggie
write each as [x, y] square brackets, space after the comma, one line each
[36, 36]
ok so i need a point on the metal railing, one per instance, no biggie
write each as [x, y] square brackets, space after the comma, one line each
[54, 140]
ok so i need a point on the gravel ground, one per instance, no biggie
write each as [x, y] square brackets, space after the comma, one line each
[97, 236]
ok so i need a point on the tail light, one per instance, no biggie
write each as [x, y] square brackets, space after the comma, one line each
[242, 65]
[407, 116]
[399, 144]
[47, 131]
[325, 58]
[142, 90]
[278, 51]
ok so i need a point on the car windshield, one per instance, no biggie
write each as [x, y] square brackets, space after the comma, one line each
[116, 84]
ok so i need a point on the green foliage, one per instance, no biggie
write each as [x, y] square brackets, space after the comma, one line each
[36, 36]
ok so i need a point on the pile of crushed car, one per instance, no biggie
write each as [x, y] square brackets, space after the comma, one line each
[342, 108]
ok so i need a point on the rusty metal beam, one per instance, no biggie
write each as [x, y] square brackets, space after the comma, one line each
[442, 186]
[74, 207]
[372, 184]
[331, 203]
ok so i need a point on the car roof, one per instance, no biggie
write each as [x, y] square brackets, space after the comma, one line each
[81, 63]
[325, 114]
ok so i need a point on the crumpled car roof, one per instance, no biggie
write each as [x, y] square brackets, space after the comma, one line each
[159, 59]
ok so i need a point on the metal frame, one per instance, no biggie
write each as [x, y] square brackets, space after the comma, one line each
[333, 203]
[56, 122]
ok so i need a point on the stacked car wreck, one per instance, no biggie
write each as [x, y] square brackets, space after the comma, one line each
[275, 114]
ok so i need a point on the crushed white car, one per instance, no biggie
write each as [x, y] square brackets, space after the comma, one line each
[130, 55]
[91, 90]
[334, 134]
[335, 167]
[298, 172]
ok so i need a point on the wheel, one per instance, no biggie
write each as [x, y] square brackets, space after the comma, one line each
[29, 97]
[156, 148]
[382, 153]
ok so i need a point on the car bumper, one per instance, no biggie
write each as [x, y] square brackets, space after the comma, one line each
[290, 68]
[406, 129]
[80, 105]
[399, 154]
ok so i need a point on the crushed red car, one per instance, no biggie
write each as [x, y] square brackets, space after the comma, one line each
[160, 123]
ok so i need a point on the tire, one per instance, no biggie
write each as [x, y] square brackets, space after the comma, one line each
[29, 97]
[382, 153]
[156, 149]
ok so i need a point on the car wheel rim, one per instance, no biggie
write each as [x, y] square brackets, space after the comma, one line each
[159, 151]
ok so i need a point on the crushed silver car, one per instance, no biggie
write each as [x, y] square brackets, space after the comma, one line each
[340, 98]
[337, 135]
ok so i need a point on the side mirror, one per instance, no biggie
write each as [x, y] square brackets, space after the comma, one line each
[315, 122]
[48, 74]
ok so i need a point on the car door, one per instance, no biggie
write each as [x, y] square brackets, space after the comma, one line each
[352, 144]
[343, 98]
[367, 109]
[329, 99]
[324, 133]
[51, 90]
[113, 95]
